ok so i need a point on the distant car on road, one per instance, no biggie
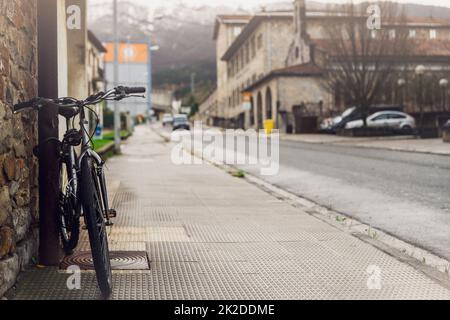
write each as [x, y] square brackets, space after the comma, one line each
[167, 120]
[181, 122]
[394, 120]
[356, 113]
[328, 124]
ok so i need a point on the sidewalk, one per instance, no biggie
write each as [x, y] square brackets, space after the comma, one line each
[396, 143]
[209, 235]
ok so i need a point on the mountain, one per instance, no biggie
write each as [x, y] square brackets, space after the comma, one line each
[184, 34]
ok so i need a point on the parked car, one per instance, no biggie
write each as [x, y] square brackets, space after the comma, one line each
[356, 113]
[394, 120]
[328, 124]
[181, 122]
[167, 120]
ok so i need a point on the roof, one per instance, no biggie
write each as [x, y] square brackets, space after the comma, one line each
[300, 70]
[419, 47]
[427, 22]
[230, 19]
[252, 25]
[96, 42]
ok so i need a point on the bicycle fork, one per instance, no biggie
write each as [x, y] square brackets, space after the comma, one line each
[108, 213]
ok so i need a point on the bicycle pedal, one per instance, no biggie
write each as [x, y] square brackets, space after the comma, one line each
[112, 213]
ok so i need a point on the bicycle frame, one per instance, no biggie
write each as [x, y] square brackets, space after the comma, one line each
[74, 163]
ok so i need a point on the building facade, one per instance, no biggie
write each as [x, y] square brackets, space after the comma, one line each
[286, 79]
[18, 136]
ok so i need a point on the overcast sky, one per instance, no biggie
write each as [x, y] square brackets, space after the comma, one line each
[253, 3]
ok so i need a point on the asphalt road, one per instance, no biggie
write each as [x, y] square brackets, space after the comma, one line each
[404, 194]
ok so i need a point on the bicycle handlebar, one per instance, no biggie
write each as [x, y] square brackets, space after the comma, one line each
[68, 106]
[132, 90]
[24, 105]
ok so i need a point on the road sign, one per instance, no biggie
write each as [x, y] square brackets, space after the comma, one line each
[247, 104]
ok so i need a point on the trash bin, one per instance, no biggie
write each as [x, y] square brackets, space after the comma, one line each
[269, 125]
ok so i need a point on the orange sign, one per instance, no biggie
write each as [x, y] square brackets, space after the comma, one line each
[247, 96]
[128, 52]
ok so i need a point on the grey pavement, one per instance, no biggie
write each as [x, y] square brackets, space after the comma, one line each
[402, 193]
[395, 143]
[209, 235]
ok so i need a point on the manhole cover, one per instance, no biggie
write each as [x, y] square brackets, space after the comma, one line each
[120, 260]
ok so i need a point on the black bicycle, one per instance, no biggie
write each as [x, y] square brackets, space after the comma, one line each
[82, 179]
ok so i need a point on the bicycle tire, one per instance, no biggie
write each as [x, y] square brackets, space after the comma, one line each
[69, 218]
[95, 223]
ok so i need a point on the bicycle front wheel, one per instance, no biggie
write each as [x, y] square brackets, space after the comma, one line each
[95, 222]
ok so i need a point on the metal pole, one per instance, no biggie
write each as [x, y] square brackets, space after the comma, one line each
[117, 125]
[50, 251]
[150, 83]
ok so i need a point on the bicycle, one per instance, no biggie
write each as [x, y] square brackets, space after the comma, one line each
[82, 182]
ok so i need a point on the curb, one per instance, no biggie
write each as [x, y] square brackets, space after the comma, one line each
[344, 144]
[421, 259]
[430, 264]
[434, 266]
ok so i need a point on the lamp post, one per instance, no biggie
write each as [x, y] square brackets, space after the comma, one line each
[420, 71]
[401, 84]
[443, 83]
[151, 48]
[117, 125]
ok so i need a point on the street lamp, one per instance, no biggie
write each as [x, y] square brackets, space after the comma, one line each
[117, 124]
[420, 71]
[401, 84]
[443, 83]
[151, 48]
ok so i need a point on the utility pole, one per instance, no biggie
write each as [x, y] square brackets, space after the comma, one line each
[117, 125]
[150, 83]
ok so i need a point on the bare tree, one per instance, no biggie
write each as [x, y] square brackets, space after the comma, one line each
[362, 61]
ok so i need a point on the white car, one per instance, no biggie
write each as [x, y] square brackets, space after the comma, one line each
[167, 119]
[386, 119]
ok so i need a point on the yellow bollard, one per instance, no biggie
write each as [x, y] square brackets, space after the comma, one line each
[269, 125]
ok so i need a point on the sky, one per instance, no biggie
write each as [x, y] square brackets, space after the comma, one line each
[254, 3]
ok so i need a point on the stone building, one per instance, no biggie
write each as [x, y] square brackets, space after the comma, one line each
[95, 70]
[292, 91]
[226, 29]
[18, 136]
[35, 40]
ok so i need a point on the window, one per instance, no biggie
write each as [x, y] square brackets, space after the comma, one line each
[253, 47]
[260, 41]
[396, 116]
[237, 31]
[412, 33]
[247, 53]
[433, 34]
[297, 52]
[381, 118]
[373, 34]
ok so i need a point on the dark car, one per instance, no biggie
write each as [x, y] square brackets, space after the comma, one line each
[181, 122]
[356, 113]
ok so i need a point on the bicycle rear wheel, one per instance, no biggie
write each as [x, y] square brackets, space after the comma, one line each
[95, 222]
[70, 211]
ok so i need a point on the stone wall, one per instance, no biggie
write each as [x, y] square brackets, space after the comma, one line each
[18, 136]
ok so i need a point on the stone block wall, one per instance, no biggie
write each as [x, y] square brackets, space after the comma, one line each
[18, 136]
